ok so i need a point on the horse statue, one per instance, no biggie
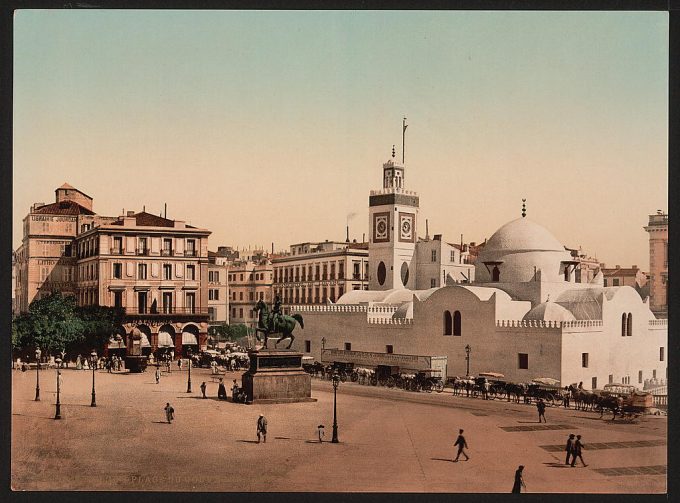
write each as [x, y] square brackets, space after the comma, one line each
[271, 323]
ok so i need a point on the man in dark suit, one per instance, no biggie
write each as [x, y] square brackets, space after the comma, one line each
[540, 405]
[569, 448]
[578, 447]
[462, 444]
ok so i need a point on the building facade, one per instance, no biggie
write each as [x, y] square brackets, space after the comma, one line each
[249, 281]
[218, 290]
[152, 267]
[318, 273]
[658, 263]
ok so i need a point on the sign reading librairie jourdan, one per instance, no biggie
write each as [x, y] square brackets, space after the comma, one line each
[368, 359]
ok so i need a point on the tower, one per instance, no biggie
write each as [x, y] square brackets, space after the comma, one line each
[393, 215]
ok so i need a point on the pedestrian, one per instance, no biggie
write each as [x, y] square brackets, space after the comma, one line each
[203, 389]
[519, 481]
[158, 375]
[578, 447]
[60, 379]
[234, 390]
[169, 412]
[487, 388]
[567, 396]
[179, 363]
[321, 433]
[221, 391]
[569, 448]
[462, 444]
[540, 405]
[262, 429]
[167, 364]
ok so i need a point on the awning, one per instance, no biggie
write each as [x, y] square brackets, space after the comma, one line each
[188, 338]
[165, 340]
[144, 341]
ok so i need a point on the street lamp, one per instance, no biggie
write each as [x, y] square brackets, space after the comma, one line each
[37, 375]
[189, 378]
[467, 359]
[336, 383]
[57, 412]
[93, 364]
[323, 343]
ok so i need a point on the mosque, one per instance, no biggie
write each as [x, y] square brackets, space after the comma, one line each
[524, 311]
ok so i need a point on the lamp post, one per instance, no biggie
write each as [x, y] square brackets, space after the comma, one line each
[189, 378]
[57, 412]
[323, 343]
[37, 375]
[336, 383]
[467, 358]
[93, 364]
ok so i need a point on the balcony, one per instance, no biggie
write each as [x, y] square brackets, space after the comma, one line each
[166, 253]
[190, 253]
[166, 311]
[356, 275]
[142, 251]
[116, 251]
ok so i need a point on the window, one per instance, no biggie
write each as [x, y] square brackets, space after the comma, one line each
[167, 271]
[348, 346]
[250, 296]
[167, 247]
[640, 376]
[584, 360]
[233, 312]
[448, 323]
[615, 282]
[341, 270]
[118, 299]
[167, 302]
[141, 271]
[141, 246]
[308, 346]
[240, 312]
[523, 360]
[654, 374]
[624, 324]
[191, 272]
[317, 272]
[495, 274]
[434, 255]
[240, 296]
[357, 270]
[141, 302]
[191, 302]
[611, 378]
[661, 355]
[212, 313]
[629, 328]
[389, 349]
[117, 270]
[216, 295]
[433, 282]
[593, 384]
[456, 323]
[210, 294]
[191, 248]
[453, 256]
[605, 281]
[67, 250]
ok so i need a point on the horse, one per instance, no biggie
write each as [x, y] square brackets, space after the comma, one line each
[285, 324]
[612, 403]
[584, 400]
[518, 390]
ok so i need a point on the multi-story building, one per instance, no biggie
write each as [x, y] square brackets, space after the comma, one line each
[440, 263]
[315, 273]
[587, 267]
[249, 281]
[218, 289]
[156, 269]
[624, 276]
[658, 263]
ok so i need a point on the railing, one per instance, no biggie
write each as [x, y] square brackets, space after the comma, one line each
[166, 253]
[393, 190]
[116, 251]
[142, 251]
[190, 253]
[548, 324]
[658, 323]
[166, 311]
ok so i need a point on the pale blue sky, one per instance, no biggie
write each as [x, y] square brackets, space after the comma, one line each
[273, 126]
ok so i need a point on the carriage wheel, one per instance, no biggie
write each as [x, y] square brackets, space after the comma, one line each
[558, 400]
[390, 382]
[500, 394]
[354, 377]
[343, 377]
[439, 387]
[373, 381]
[550, 399]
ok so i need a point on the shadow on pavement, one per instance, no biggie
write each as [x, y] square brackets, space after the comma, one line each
[556, 465]
[529, 422]
[313, 442]
[160, 422]
[249, 441]
[442, 459]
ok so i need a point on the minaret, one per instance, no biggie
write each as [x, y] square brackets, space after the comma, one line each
[393, 214]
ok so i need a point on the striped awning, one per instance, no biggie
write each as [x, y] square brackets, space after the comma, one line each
[189, 338]
[165, 340]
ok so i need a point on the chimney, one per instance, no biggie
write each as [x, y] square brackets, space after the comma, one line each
[272, 247]
[347, 240]
[166, 210]
[427, 229]
[363, 237]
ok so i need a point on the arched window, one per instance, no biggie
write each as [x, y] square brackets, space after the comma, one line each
[456, 323]
[447, 323]
[495, 274]
[629, 328]
[624, 325]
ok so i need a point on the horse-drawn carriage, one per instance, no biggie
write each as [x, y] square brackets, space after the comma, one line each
[546, 389]
[623, 400]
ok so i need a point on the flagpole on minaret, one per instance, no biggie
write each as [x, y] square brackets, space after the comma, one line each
[403, 140]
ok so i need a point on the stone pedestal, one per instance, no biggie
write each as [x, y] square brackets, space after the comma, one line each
[135, 364]
[276, 377]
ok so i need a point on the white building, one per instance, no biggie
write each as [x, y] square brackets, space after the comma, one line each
[526, 315]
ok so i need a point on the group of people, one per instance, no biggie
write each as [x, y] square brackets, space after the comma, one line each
[238, 394]
[574, 450]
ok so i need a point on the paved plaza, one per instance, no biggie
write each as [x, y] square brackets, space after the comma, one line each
[390, 441]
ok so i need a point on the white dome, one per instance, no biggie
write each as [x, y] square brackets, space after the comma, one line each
[522, 235]
[549, 311]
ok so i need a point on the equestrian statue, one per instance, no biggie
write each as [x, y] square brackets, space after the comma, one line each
[275, 322]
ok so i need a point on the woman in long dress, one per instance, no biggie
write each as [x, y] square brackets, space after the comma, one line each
[519, 481]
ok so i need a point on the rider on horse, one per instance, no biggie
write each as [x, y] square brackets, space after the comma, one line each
[276, 316]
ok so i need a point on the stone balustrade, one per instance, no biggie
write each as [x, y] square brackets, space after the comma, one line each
[548, 324]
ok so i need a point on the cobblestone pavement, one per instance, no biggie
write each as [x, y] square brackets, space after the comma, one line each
[390, 441]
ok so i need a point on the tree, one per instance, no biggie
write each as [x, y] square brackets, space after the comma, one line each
[99, 323]
[51, 324]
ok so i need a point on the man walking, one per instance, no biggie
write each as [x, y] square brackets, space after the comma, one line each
[567, 396]
[179, 364]
[540, 405]
[169, 413]
[519, 481]
[578, 446]
[569, 448]
[203, 389]
[158, 375]
[262, 429]
[462, 444]
[221, 391]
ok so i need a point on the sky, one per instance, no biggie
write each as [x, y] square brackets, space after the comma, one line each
[266, 126]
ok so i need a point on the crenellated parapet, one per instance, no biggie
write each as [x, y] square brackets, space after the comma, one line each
[391, 321]
[578, 324]
[329, 308]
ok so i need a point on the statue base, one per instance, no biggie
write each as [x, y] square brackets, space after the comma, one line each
[276, 376]
[135, 364]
